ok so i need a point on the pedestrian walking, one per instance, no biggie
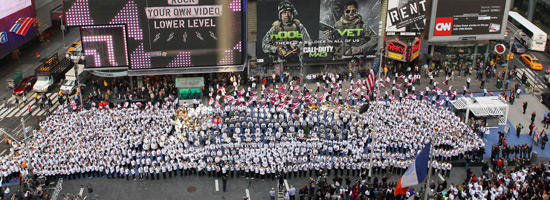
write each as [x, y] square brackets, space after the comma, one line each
[518, 129]
[272, 193]
[524, 107]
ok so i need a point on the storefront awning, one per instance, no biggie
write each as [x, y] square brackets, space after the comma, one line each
[190, 82]
[484, 112]
[459, 104]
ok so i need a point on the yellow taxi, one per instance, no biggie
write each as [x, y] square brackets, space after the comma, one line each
[531, 61]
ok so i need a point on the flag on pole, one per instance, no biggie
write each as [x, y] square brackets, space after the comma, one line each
[416, 173]
[22, 25]
[441, 102]
[370, 81]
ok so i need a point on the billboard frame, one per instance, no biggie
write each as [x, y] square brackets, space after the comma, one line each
[128, 60]
[499, 36]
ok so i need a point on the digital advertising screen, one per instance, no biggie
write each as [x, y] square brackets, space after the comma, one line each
[406, 16]
[453, 20]
[316, 30]
[169, 33]
[104, 46]
[8, 7]
[10, 12]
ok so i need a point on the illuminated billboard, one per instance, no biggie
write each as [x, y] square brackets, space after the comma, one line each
[10, 13]
[171, 33]
[453, 20]
[104, 45]
[292, 31]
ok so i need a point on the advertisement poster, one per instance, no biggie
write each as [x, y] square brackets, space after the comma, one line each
[338, 30]
[406, 16]
[169, 34]
[10, 12]
[469, 19]
[414, 50]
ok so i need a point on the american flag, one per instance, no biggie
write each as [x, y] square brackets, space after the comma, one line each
[370, 81]
[22, 25]
[308, 96]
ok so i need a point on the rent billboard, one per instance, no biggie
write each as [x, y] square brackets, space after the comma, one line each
[406, 16]
[291, 31]
[166, 34]
[453, 20]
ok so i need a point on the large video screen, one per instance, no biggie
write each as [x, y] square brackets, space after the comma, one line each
[317, 30]
[169, 34]
[8, 7]
[104, 45]
[10, 12]
[468, 20]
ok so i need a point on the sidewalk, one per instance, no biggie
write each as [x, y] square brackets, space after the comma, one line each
[516, 116]
[28, 60]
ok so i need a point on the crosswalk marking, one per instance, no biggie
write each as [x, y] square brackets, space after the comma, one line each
[533, 78]
[8, 111]
[22, 110]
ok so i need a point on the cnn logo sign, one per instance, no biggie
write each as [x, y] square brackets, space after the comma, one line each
[443, 26]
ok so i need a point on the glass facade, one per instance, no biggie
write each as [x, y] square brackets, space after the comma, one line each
[189, 93]
[541, 17]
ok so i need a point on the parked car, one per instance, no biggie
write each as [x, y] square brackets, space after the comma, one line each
[518, 48]
[24, 86]
[531, 61]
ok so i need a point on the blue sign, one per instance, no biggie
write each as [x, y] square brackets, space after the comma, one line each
[3, 37]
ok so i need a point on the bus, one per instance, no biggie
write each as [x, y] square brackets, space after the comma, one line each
[531, 36]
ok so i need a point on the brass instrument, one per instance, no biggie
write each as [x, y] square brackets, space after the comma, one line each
[316, 107]
[310, 106]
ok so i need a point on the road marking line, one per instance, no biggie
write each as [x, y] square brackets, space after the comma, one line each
[3, 151]
[35, 111]
[441, 177]
[24, 109]
[247, 194]
[531, 77]
[8, 111]
[42, 112]
[12, 98]
[491, 170]
[286, 185]
[217, 186]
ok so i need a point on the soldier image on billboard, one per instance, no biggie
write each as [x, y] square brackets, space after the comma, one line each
[286, 36]
[350, 35]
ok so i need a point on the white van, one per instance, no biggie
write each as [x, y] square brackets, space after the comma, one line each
[69, 84]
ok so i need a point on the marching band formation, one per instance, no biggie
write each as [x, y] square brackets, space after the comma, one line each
[249, 138]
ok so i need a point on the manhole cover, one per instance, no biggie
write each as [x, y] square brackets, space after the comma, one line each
[191, 189]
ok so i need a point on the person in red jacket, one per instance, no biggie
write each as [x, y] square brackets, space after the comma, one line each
[499, 165]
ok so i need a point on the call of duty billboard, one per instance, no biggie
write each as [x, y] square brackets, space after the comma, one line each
[292, 31]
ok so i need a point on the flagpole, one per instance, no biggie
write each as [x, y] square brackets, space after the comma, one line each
[375, 95]
[430, 164]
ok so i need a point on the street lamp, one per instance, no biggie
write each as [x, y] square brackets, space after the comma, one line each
[62, 30]
[508, 57]
[29, 166]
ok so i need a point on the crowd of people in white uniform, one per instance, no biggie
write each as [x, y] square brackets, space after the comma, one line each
[259, 135]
